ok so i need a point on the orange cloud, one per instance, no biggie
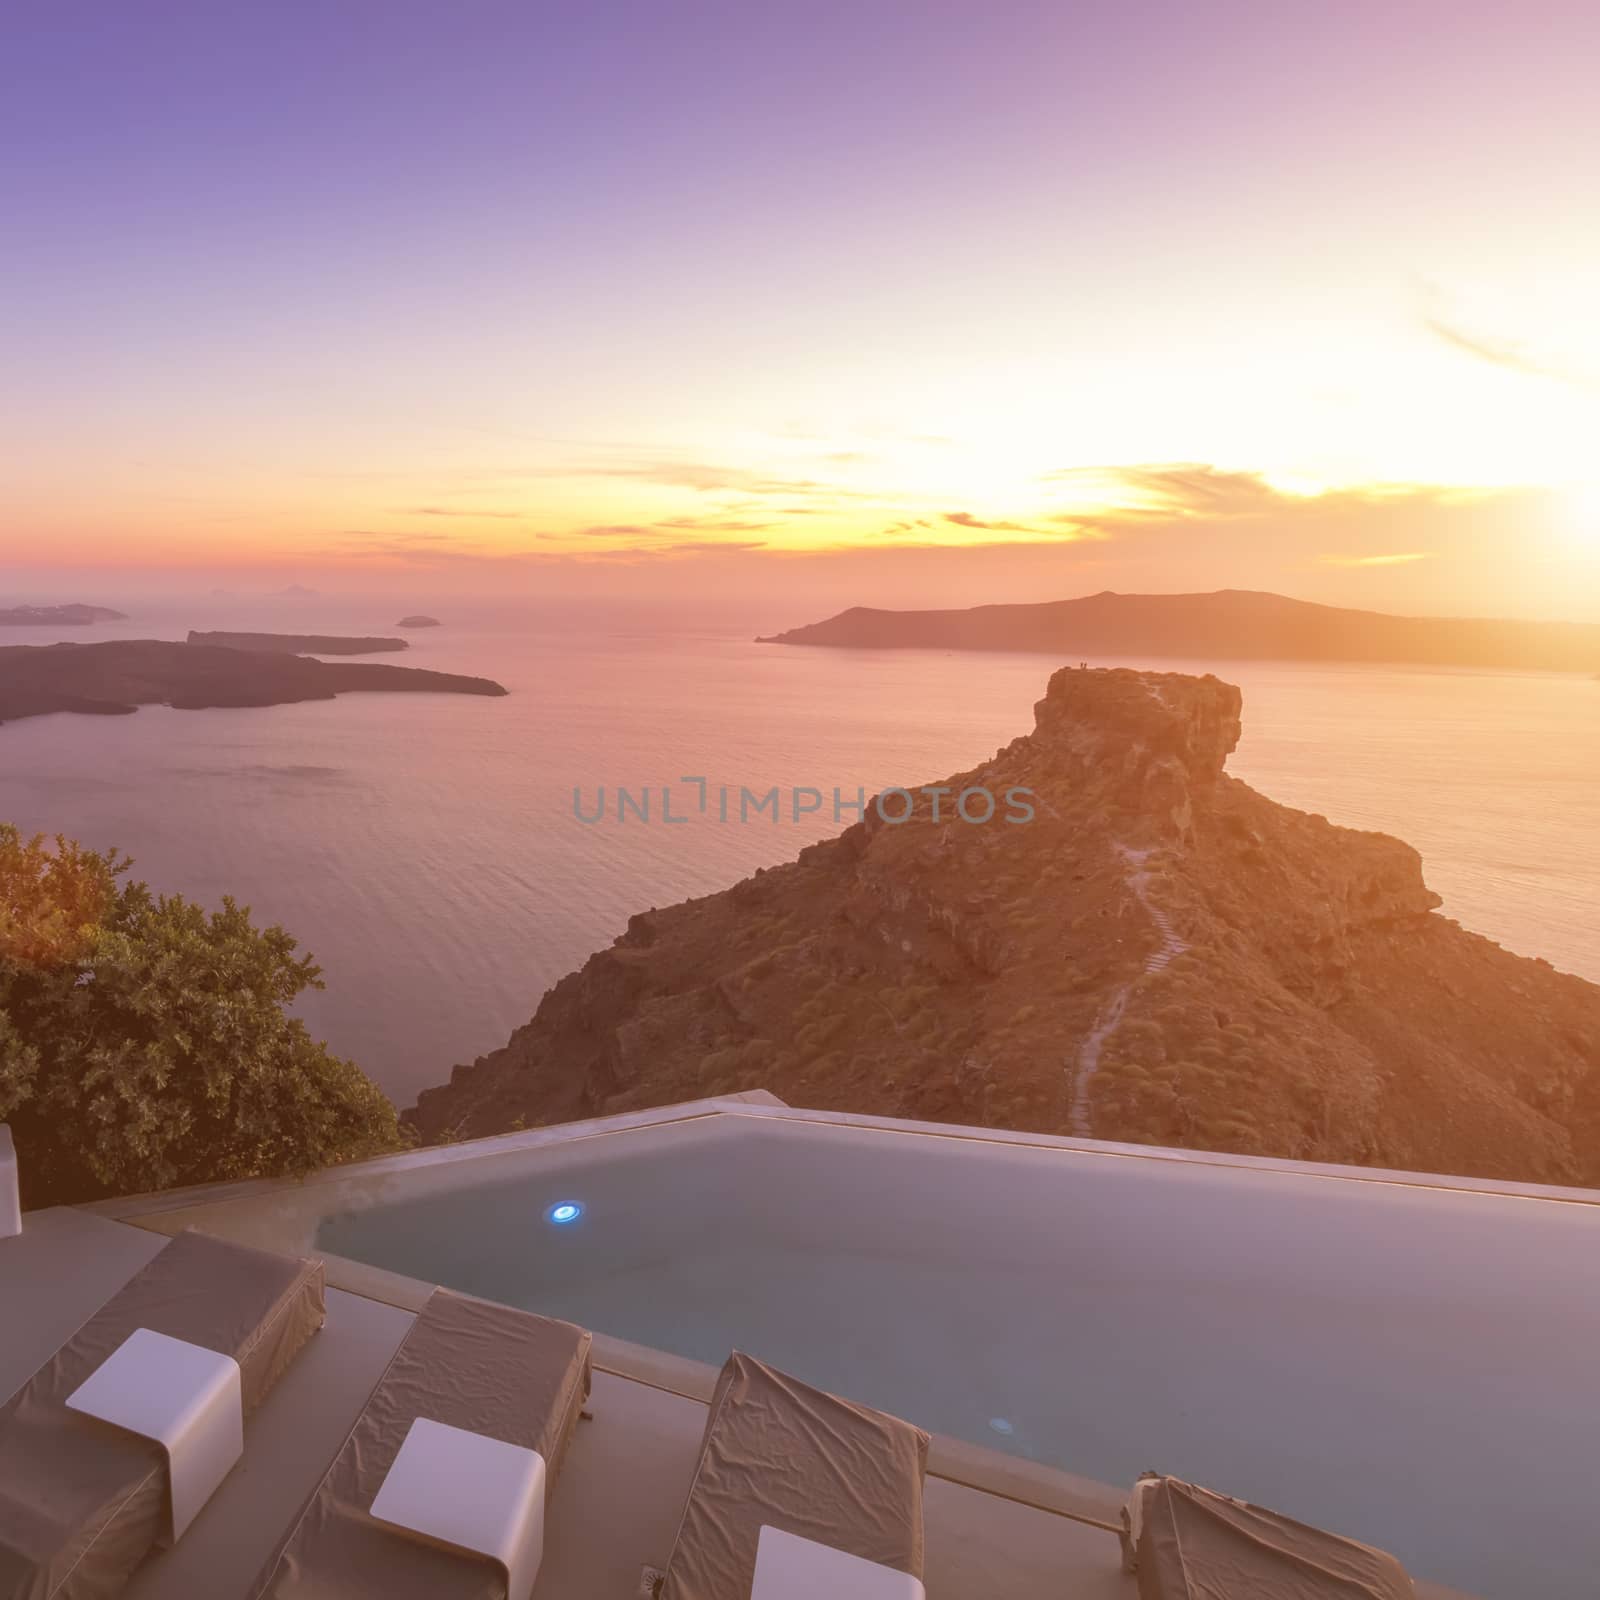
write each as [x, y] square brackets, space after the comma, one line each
[965, 519]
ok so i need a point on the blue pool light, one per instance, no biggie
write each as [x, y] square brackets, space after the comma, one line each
[567, 1211]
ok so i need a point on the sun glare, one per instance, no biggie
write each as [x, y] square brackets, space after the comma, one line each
[1581, 521]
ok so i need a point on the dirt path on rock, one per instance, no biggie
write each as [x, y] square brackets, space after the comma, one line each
[1087, 1062]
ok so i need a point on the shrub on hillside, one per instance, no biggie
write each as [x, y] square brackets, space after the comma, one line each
[144, 1043]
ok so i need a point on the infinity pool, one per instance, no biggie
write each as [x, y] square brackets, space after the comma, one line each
[1413, 1366]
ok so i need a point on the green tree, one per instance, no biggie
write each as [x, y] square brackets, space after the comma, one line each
[144, 1043]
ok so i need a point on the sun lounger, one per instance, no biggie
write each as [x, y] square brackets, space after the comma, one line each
[82, 1503]
[10, 1196]
[1182, 1541]
[779, 1454]
[506, 1376]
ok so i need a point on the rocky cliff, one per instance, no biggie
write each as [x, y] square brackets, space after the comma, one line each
[1160, 954]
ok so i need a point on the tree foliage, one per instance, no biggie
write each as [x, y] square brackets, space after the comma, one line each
[51, 900]
[145, 1043]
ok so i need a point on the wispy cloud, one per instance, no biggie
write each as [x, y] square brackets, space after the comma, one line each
[1118, 500]
[667, 527]
[1496, 347]
[1378, 561]
[1170, 489]
[637, 554]
[965, 519]
[1107, 502]
[1500, 353]
[466, 515]
[707, 477]
[732, 510]
[642, 542]
[713, 524]
[712, 546]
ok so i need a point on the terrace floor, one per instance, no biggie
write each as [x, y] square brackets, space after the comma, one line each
[622, 1487]
[997, 1525]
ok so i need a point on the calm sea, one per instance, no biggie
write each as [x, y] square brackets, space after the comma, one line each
[425, 848]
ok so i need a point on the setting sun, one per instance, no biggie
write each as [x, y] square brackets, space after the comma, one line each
[1582, 520]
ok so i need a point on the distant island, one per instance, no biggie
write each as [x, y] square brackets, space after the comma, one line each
[1096, 932]
[301, 644]
[117, 677]
[1230, 625]
[418, 622]
[73, 616]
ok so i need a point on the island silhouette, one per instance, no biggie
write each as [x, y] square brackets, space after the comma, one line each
[1228, 625]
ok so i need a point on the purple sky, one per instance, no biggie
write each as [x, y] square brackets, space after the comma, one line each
[275, 276]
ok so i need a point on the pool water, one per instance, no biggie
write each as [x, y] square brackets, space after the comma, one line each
[1410, 1366]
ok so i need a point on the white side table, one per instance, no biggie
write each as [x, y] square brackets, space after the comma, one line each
[10, 1196]
[791, 1568]
[472, 1493]
[183, 1396]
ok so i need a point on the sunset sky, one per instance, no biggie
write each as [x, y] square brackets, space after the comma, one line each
[872, 301]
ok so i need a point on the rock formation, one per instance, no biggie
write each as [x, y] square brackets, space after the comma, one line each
[1161, 955]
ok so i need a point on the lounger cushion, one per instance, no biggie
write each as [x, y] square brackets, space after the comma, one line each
[779, 1452]
[81, 1503]
[1194, 1543]
[468, 1363]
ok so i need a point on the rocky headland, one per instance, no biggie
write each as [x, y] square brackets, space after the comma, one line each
[1160, 955]
[117, 677]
